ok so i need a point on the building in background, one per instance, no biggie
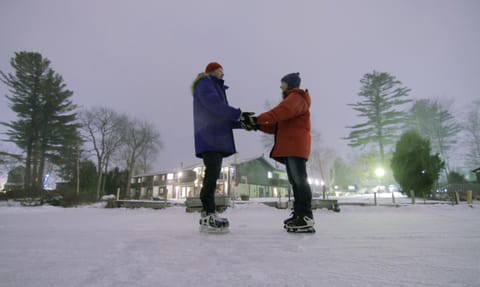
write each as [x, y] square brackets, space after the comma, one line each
[477, 174]
[257, 177]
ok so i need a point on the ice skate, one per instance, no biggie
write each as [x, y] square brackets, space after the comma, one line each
[301, 224]
[212, 223]
[288, 220]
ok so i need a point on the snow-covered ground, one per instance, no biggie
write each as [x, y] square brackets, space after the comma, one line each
[421, 245]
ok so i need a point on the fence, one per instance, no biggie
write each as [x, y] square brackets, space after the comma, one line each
[449, 191]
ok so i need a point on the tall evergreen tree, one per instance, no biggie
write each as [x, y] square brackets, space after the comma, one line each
[45, 114]
[414, 168]
[435, 123]
[382, 97]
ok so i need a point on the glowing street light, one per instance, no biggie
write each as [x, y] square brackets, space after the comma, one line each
[379, 172]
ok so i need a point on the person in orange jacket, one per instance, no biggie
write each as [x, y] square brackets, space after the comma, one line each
[289, 121]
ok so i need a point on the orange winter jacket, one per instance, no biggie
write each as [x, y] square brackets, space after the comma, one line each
[290, 122]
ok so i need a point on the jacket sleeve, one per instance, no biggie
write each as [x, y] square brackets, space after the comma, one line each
[236, 125]
[290, 107]
[209, 98]
[268, 129]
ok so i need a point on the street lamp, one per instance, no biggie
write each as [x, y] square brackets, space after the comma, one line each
[379, 172]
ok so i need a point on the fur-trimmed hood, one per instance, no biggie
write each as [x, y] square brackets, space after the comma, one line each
[197, 79]
[202, 76]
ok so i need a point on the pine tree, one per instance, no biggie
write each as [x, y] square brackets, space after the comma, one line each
[382, 97]
[45, 114]
[414, 168]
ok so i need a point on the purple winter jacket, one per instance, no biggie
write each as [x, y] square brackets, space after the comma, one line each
[213, 118]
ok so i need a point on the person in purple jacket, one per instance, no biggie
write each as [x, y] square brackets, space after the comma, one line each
[213, 120]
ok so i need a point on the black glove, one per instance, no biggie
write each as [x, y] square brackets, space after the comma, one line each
[245, 115]
[248, 121]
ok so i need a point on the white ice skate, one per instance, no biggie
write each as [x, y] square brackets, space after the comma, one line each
[301, 225]
[212, 223]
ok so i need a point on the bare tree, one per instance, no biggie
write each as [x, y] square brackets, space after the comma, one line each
[322, 158]
[105, 130]
[142, 140]
[472, 133]
[147, 156]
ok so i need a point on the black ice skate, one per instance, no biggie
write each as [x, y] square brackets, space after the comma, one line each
[301, 224]
[212, 223]
[288, 220]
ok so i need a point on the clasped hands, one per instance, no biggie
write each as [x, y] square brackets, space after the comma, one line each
[248, 121]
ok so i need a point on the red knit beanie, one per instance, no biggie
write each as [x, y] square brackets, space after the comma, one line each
[212, 67]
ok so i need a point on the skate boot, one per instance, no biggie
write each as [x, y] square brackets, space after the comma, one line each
[217, 218]
[288, 220]
[301, 224]
[212, 223]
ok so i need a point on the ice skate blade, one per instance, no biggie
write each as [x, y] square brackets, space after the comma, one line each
[213, 230]
[301, 230]
[224, 223]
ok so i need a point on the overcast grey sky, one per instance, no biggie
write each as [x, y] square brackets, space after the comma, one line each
[140, 57]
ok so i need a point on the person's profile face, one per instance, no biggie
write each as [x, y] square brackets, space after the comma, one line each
[218, 73]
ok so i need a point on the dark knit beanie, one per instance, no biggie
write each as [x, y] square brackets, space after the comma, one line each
[212, 67]
[292, 80]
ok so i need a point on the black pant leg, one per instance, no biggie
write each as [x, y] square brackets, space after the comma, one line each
[293, 185]
[213, 165]
[297, 175]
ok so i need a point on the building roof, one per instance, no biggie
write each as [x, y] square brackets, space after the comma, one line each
[272, 163]
[233, 160]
